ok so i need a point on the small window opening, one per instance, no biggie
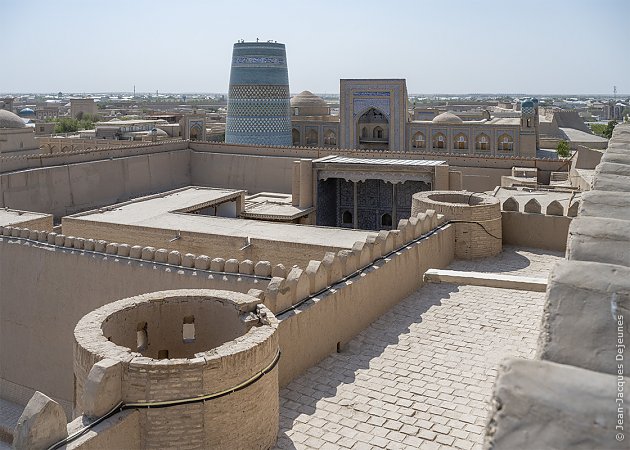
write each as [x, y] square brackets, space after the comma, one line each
[188, 329]
[386, 220]
[346, 217]
[338, 347]
[162, 354]
[142, 338]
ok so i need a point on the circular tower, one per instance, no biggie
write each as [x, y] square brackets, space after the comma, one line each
[476, 216]
[258, 98]
[199, 366]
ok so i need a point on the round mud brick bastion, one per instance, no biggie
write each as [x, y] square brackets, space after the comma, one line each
[472, 240]
[182, 345]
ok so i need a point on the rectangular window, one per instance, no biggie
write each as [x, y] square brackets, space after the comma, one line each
[188, 329]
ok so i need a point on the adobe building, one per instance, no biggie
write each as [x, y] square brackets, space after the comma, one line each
[374, 115]
[82, 106]
[15, 137]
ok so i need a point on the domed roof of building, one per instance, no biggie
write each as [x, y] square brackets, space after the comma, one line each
[27, 112]
[159, 132]
[448, 118]
[10, 120]
[307, 98]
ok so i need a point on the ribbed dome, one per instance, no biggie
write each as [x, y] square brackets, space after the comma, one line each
[447, 117]
[307, 98]
[10, 120]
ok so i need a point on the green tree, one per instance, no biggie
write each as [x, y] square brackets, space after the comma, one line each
[69, 125]
[66, 125]
[609, 129]
[598, 128]
[563, 149]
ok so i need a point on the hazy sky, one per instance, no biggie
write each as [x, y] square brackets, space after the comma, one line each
[440, 46]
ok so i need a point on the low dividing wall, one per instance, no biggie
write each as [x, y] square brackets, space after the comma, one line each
[25, 162]
[117, 432]
[47, 288]
[535, 230]
[215, 245]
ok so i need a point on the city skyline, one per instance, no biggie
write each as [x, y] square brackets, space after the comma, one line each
[453, 47]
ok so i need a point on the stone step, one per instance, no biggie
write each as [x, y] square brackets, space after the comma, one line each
[9, 415]
[559, 176]
[486, 279]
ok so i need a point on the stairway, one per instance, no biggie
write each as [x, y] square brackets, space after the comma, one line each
[559, 178]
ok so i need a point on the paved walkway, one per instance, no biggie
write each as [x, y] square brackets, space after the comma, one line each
[421, 376]
[9, 415]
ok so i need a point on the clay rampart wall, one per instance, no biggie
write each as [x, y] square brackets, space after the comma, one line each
[53, 280]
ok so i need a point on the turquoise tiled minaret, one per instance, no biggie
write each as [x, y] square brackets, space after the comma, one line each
[258, 99]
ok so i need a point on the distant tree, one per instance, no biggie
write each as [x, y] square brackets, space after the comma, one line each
[609, 129]
[598, 128]
[70, 125]
[563, 149]
[66, 125]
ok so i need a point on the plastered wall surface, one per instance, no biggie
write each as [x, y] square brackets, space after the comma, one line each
[250, 172]
[213, 245]
[535, 230]
[51, 289]
[67, 189]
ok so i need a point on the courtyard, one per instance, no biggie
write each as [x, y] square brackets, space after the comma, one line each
[420, 376]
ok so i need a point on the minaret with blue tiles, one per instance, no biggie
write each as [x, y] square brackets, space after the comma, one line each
[258, 100]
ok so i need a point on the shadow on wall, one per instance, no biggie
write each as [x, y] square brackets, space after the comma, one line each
[323, 380]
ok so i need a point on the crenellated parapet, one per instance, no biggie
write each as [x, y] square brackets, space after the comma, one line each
[291, 287]
[168, 258]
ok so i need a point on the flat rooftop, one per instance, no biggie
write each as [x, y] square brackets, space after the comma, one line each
[160, 211]
[15, 217]
[272, 206]
[581, 136]
[420, 376]
[333, 159]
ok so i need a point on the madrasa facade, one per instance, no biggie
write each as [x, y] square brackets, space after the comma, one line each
[374, 115]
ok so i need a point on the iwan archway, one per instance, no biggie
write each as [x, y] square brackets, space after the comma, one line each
[372, 130]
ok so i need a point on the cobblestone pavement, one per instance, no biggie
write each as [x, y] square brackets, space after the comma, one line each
[420, 376]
